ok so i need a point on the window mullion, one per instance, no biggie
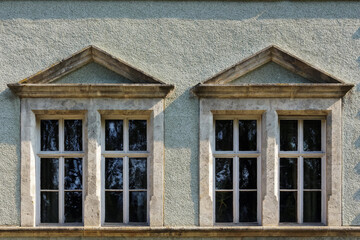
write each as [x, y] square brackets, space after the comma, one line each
[61, 191]
[300, 188]
[126, 190]
[126, 135]
[61, 135]
[236, 135]
[236, 189]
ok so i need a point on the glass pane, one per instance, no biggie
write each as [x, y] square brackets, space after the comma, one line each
[137, 173]
[49, 207]
[138, 206]
[49, 135]
[73, 135]
[312, 135]
[114, 207]
[114, 139]
[288, 135]
[312, 206]
[137, 135]
[73, 207]
[247, 135]
[224, 206]
[223, 173]
[73, 173]
[312, 173]
[49, 173]
[288, 173]
[224, 135]
[113, 173]
[288, 207]
[248, 206]
[248, 173]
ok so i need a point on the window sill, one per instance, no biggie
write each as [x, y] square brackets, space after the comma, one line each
[249, 231]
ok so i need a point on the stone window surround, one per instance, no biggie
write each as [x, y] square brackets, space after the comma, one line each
[92, 110]
[270, 110]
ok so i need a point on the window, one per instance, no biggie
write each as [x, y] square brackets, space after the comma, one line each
[60, 167]
[302, 164]
[236, 167]
[125, 170]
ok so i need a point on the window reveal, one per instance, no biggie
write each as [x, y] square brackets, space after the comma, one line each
[236, 170]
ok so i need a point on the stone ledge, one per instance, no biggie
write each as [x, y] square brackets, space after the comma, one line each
[131, 231]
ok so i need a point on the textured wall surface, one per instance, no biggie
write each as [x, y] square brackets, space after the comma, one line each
[182, 43]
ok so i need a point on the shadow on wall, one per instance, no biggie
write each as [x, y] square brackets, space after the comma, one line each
[356, 196]
[356, 35]
[182, 10]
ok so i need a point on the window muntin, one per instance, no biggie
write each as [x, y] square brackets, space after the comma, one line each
[236, 169]
[302, 168]
[125, 170]
[60, 168]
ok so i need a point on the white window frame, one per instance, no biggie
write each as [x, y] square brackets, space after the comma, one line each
[300, 154]
[61, 155]
[125, 154]
[235, 155]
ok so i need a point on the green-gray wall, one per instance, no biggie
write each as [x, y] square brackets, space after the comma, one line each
[181, 43]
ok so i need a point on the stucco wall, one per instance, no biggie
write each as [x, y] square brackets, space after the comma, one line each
[181, 43]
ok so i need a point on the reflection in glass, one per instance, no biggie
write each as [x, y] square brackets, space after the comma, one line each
[73, 207]
[312, 206]
[73, 173]
[114, 207]
[138, 202]
[224, 135]
[247, 135]
[137, 173]
[73, 135]
[312, 135]
[248, 206]
[288, 173]
[49, 207]
[49, 173]
[312, 173]
[114, 135]
[223, 173]
[248, 173]
[49, 135]
[288, 207]
[224, 206]
[288, 135]
[113, 173]
[137, 135]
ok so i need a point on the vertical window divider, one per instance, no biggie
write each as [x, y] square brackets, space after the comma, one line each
[126, 134]
[61, 190]
[126, 193]
[236, 190]
[300, 189]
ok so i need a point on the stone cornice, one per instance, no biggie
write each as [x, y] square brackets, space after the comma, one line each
[91, 90]
[312, 90]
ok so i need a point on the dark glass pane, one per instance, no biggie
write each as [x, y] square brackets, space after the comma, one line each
[247, 135]
[223, 173]
[288, 135]
[137, 173]
[137, 135]
[73, 173]
[113, 173]
[49, 207]
[312, 173]
[224, 206]
[114, 207]
[248, 206]
[49, 173]
[114, 139]
[49, 135]
[73, 135]
[248, 173]
[312, 206]
[288, 173]
[312, 135]
[73, 207]
[288, 207]
[224, 135]
[138, 206]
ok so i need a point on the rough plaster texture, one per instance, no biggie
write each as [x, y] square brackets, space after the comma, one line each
[181, 43]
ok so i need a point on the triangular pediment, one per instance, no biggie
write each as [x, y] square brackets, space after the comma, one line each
[91, 72]
[272, 73]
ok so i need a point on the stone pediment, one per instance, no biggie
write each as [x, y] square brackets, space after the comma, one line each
[299, 79]
[65, 79]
